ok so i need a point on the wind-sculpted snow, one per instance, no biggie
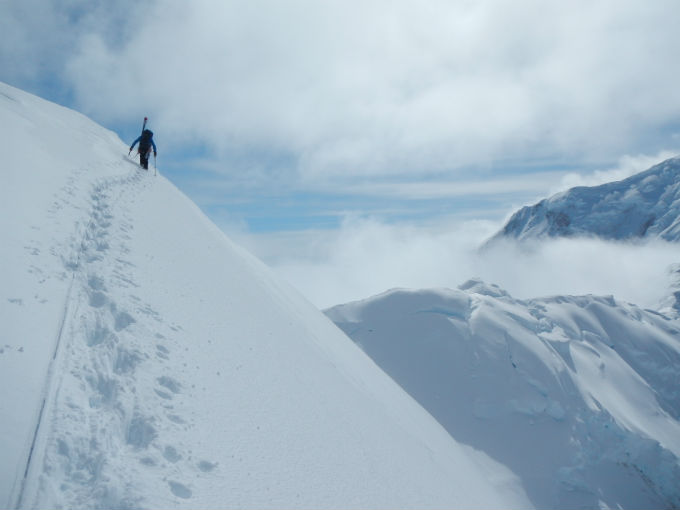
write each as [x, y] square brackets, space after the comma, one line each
[645, 205]
[579, 396]
[146, 361]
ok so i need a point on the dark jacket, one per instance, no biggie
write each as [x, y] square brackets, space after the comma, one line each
[148, 139]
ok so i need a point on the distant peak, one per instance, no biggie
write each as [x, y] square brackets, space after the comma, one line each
[644, 205]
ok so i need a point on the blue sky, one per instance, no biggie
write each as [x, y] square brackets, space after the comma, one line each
[293, 122]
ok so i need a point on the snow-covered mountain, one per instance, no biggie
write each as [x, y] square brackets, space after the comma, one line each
[579, 396]
[644, 205]
[146, 361]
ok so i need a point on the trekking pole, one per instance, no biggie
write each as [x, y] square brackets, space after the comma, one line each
[154, 164]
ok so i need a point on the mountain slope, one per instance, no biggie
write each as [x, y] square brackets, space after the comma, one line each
[577, 395]
[643, 205]
[146, 361]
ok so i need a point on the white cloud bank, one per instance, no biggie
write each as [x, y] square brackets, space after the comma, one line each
[372, 86]
[366, 257]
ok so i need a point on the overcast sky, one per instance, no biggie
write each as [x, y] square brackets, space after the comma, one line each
[288, 120]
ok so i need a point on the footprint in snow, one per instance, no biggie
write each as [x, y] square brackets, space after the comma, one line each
[162, 352]
[169, 383]
[206, 466]
[99, 334]
[98, 299]
[176, 419]
[140, 432]
[126, 361]
[163, 394]
[96, 283]
[180, 490]
[171, 454]
[123, 320]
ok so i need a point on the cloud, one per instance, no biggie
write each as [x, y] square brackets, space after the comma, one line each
[629, 271]
[426, 189]
[366, 257]
[38, 38]
[23, 54]
[627, 165]
[382, 87]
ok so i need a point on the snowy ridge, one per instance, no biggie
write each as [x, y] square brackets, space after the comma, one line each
[146, 361]
[645, 205]
[577, 395]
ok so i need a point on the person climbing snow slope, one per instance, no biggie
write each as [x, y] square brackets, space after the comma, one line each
[145, 144]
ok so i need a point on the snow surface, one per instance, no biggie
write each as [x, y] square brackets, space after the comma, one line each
[645, 205]
[579, 396]
[146, 361]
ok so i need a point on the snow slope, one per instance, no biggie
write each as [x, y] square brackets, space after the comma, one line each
[644, 205]
[146, 361]
[579, 396]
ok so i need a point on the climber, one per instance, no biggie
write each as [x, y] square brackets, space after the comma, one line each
[145, 144]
